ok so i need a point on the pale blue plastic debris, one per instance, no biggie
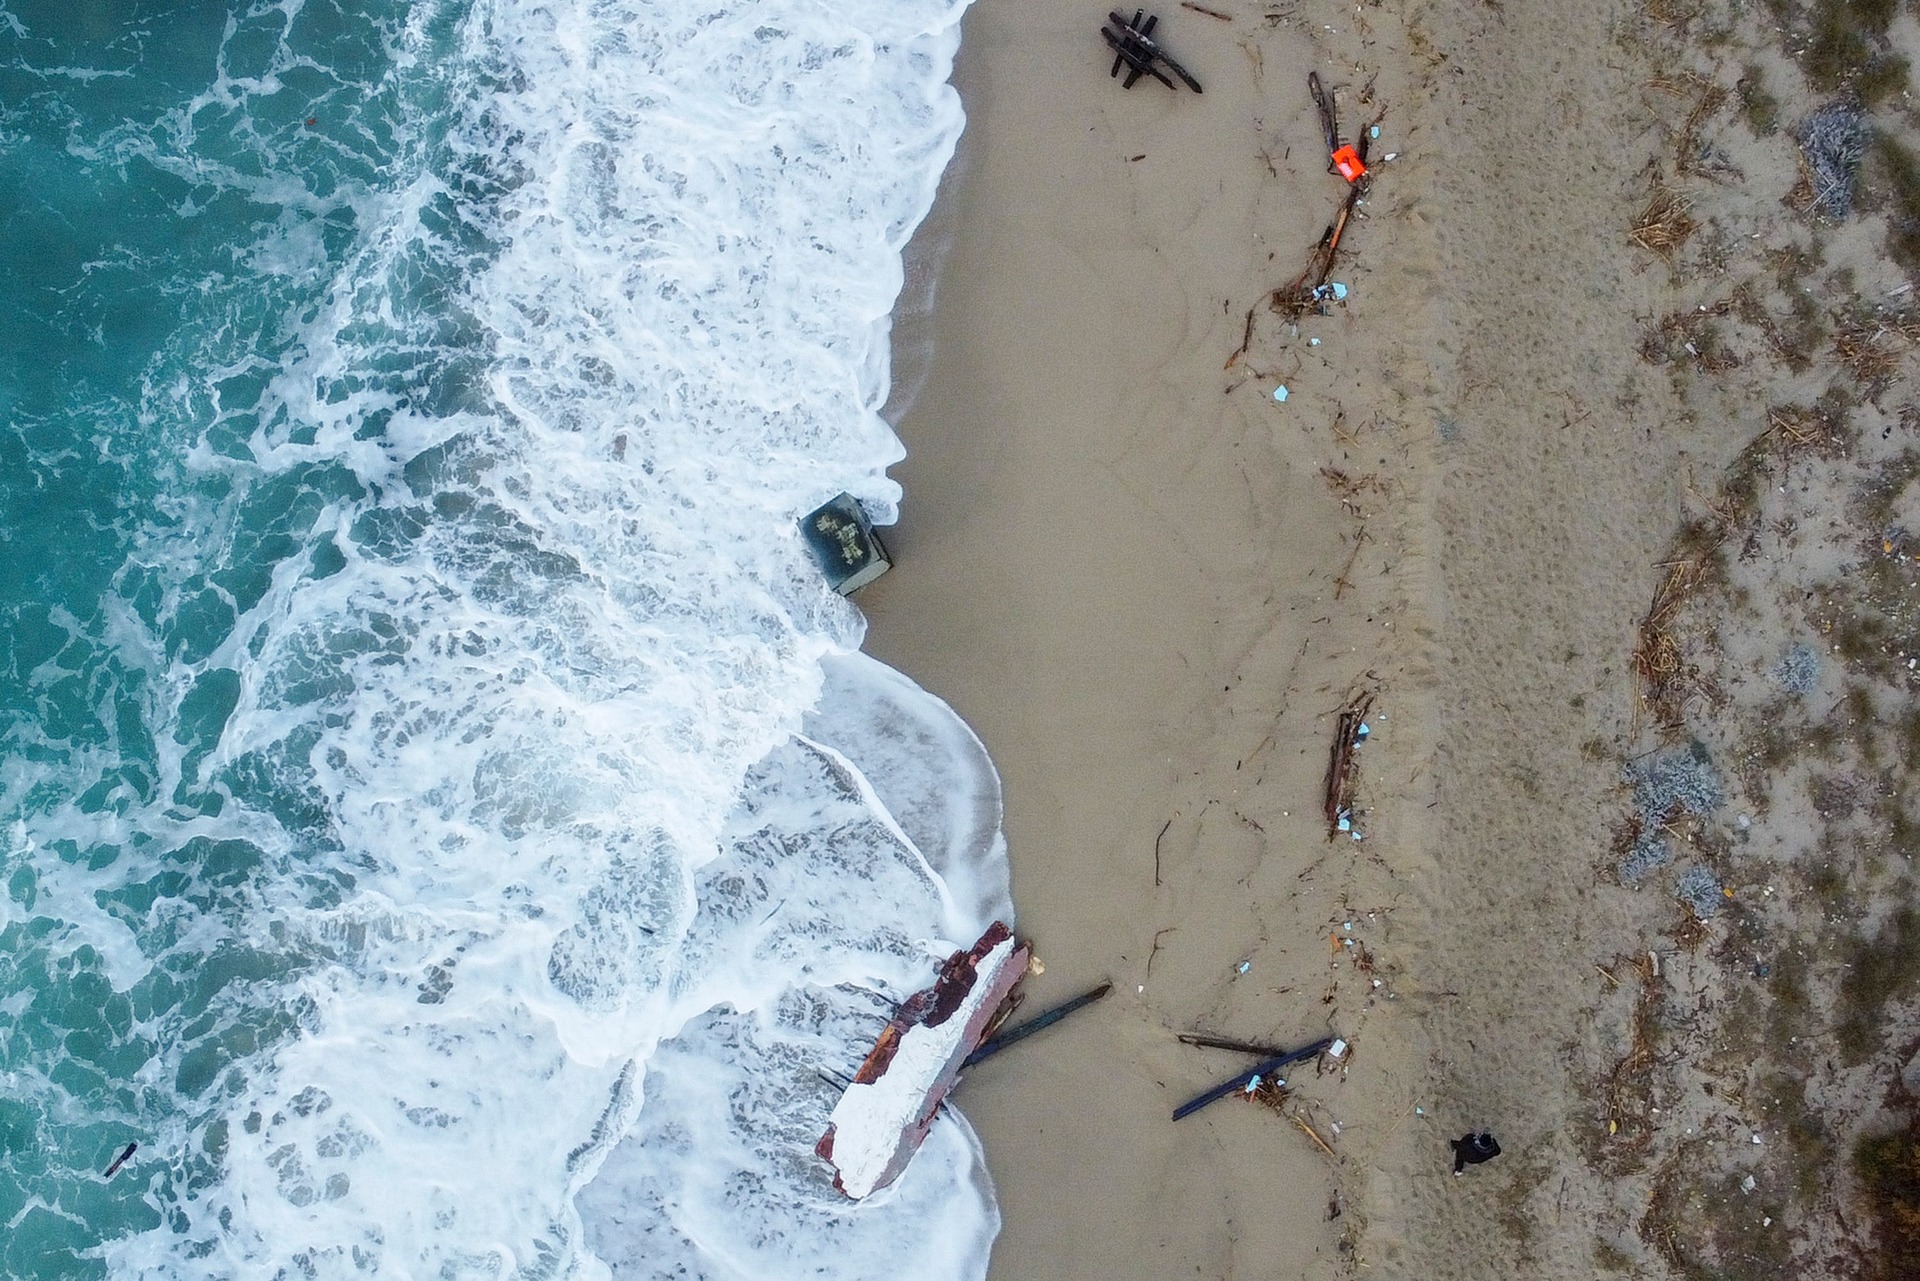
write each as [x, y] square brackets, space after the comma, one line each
[1360, 735]
[1339, 291]
[1374, 132]
[1280, 393]
[1244, 966]
[1253, 1084]
[1344, 824]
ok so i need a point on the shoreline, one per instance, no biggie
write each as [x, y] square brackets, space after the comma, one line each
[1125, 565]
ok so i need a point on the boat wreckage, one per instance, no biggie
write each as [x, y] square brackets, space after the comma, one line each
[886, 1112]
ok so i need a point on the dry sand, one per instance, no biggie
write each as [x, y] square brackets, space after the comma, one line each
[1150, 589]
[1118, 562]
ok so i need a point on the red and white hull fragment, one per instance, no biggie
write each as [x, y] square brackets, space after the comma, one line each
[880, 1121]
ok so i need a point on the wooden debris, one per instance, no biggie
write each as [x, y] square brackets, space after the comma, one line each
[1211, 13]
[1311, 1133]
[1134, 47]
[1228, 1043]
[126, 1154]
[1262, 1070]
[1342, 769]
[883, 1116]
[1323, 103]
[1037, 1023]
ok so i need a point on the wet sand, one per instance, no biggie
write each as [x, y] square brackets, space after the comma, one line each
[1117, 561]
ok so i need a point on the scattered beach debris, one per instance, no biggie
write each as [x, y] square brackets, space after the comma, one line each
[1135, 48]
[880, 1121]
[1664, 225]
[1281, 393]
[1342, 769]
[1038, 1022]
[1299, 297]
[1833, 140]
[126, 1154]
[1799, 671]
[1263, 1070]
[1211, 13]
[844, 543]
[1700, 890]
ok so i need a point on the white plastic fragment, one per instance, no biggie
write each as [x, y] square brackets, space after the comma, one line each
[1338, 1048]
[1244, 966]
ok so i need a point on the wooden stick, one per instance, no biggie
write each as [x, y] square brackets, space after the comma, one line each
[1227, 1043]
[1323, 103]
[1310, 1133]
[1200, 8]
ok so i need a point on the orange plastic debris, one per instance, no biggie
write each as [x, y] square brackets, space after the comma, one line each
[1348, 162]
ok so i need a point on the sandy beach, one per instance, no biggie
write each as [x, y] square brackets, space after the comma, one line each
[1151, 588]
[1119, 562]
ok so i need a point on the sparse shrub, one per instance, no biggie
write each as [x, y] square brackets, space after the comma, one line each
[1889, 1169]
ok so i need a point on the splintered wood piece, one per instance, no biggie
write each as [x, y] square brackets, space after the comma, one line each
[1341, 766]
[1323, 103]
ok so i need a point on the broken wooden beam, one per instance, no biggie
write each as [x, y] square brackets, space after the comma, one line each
[1037, 1023]
[1264, 1068]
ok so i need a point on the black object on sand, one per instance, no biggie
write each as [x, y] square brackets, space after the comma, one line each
[1135, 48]
[1473, 1149]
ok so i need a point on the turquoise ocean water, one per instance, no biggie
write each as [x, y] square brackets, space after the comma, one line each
[440, 812]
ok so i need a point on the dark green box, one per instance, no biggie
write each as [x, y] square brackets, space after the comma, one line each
[844, 542]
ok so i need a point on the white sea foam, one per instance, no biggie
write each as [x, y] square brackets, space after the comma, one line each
[615, 840]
